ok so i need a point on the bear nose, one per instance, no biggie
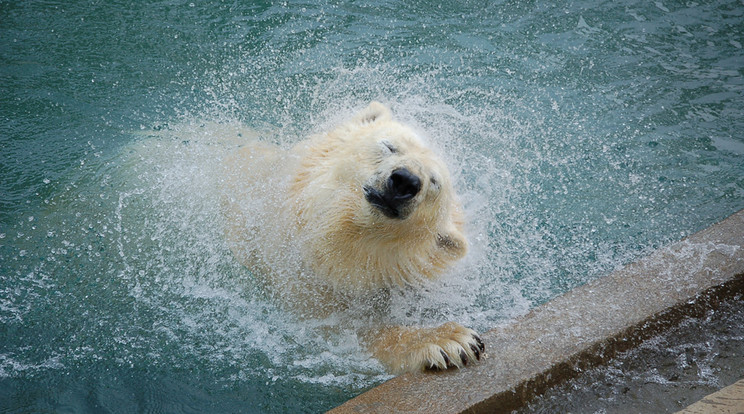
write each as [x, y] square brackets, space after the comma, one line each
[403, 185]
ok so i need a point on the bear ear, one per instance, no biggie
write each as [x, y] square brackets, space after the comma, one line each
[453, 242]
[373, 113]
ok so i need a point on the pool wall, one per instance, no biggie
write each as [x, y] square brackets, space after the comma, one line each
[578, 330]
[727, 400]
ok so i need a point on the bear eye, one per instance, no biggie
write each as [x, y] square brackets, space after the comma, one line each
[434, 184]
[390, 147]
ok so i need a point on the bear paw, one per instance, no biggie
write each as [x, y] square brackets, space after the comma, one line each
[405, 349]
[449, 346]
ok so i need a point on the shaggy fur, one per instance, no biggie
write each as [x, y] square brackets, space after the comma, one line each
[364, 208]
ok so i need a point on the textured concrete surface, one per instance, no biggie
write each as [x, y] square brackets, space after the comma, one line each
[578, 330]
[729, 400]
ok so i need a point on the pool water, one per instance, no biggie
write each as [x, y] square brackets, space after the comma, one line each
[580, 135]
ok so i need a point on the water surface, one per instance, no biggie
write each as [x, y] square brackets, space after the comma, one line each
[581, 136]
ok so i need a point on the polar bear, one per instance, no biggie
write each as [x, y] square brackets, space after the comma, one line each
[343, 217]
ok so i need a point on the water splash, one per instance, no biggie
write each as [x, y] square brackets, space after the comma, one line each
[580, 137]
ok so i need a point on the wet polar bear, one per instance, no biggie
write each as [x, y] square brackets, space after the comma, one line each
[365, 207]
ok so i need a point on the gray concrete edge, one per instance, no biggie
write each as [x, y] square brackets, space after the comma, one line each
[578, 330]
[729, 400]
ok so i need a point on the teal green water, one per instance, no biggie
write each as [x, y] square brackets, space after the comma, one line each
[581, 135]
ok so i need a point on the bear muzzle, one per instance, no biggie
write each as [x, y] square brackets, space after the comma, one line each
[399, 190]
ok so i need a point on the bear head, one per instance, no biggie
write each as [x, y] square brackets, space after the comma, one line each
[375, 205]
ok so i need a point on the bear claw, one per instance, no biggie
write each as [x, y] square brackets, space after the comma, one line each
[448, 364]
[478, 340]
[447, 361]
[476, 351]
[464, 357]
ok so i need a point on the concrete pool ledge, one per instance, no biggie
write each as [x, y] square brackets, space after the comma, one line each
[578, 330]
[729, 400]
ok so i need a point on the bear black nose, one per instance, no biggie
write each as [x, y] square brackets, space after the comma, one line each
[403, 185]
